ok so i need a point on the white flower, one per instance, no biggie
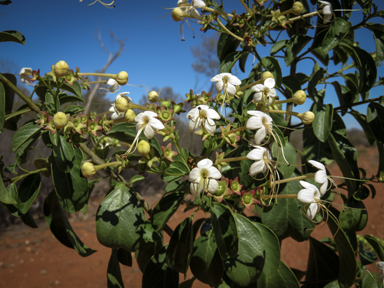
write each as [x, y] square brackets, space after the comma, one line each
[202, 117]
[191, 8]
[203, 178]
[266, 92]
[111, 85]
[119, 113]
[25, 75]
[320, 176]
[327, 11]
[310, 195]
[262, 122]
[147, 122]
[261, 156]
[380, 266]
[227, 82]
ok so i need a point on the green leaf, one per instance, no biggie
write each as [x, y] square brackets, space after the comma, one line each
[125, 132]
[347, 260]
[362, 119]
[354, 217]
[230, 60]
[365, 64]
[164, 210]
[286, 219]
[378, 34]
[73, 109]
[274, 272]
[64, 98]
[28, 190]
[227, 43]
[323, 263]
[278, 46]
[180, 247]
[346, 157]
[71, 188]
[5, 196]
[273, 66]
[289, 154]
[60, 227]
[158, 274]
[27, 131]
[322, 55]
[113, 272]
[247, 266]
[316, 76]
[75, 89]
[292, 84]
[12, 36]
[136, 178]
[333, 284]
[224, 227]
[294, 46]
[322, 124]
[344, 94]
[375, 119]
[2, 107]
[337, 31]
[366, 256]
[376, 245]
[119, 220]
[369, 281]
[63, 152]
[206, 263]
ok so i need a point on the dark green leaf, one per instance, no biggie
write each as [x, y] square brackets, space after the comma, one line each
[366, 257]
[288, 152]
[5, 196]
[377, 245]
[316, 76]
[12, 36]
[322, 124]
[119, 220]
[323, 264]
[369, 281]
[278, 46]
[60, 227]
[365, 64]
[75, 89]
[294, 46]
[113, 272]
[378, 34]
[247, 266]
[166, 207]
[286, 219]
[375, 119]
[145, 252]
[322, 55]
[63, 152]
[71, 188]
[333, 284]
[180, 247]
[158, 274]
[230, 60]
[124, 257]
[206, 263]
[354, 217]
[10, 94]
[23, 134]
[227, 43]
[136, 178]
[347, 260]
[344, 94]
[125, 132]
[73, 109]
[28, 190]
[273, 66]
[292, 84]
[2, 107]
[338, 30]
[5, 2]
[224, 227]
[346, 157]
[362, 119]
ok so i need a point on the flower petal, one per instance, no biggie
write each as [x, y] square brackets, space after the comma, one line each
[318, 165]
[213, 172]
[270, 83]
[149, 132]
[254, 123]
[213, 114]
[213, 186]
[194, 174]
[306, 195]
[312, 210]
[156, 123]
[219, 86]
[260, 135]
[257, 167]
[231, 90]
[205, 163]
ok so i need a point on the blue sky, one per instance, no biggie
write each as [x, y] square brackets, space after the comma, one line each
[153, 55]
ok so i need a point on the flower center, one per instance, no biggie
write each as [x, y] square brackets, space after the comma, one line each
[247, 198]
[222, 188]
[204, 173]
[235, 186]
[203, 113]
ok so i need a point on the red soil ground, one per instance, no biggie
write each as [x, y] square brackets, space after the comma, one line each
[34, 258]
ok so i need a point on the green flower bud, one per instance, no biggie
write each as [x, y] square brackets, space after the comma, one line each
[88, 169]
[266, 75]
[143, 148]
[307, 118]
[60, 120]
[122, 78]
[297, 8]
[178, 14]
[61, 68]
[153, 96]
[130, 116]
[299, 97]
[122, 104]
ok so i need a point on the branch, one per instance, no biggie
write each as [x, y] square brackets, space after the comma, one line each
[112, 57]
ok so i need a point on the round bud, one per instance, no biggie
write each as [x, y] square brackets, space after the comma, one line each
[266, 75]
[122, 104]
[130, 116]
[299, 97]
[307, 118]
[153, 96]
[88, 169]
[143, 148]
[297, 8]
[177, 14]
[61, 68]
[60, 120]
[122, 78]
